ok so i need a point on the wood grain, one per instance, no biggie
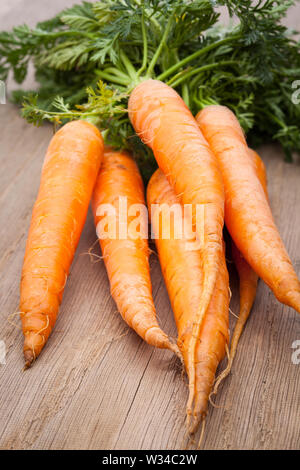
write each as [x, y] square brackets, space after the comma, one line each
[97, 385]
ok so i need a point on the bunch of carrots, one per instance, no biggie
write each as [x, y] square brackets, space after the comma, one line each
[203, 161]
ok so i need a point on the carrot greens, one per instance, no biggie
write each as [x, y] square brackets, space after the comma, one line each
[249, 65]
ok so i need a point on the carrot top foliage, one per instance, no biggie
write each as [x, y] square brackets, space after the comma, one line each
[89, 57]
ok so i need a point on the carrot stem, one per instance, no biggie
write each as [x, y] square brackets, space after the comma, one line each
[180, 77]
[129, 67]
[116, 72]
[159, 49]
[112, 78]
[145, 43]
[185, 94]
[71, 32]
[195, 55]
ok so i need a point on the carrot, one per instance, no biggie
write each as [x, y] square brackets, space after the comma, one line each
[127, 259]
[248, 285]
[248, 281]
[182, 269]
[68, 176]
[247, 212]
[163, 121]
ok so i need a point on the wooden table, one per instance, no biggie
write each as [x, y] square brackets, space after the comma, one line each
[96, 384]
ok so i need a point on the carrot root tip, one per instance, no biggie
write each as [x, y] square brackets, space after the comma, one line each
[176, 350]
[29, 358]
[201, 433]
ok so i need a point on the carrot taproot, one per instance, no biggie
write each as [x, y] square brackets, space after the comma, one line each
[248, 216]
[248, 284]
[163, 121]
[126, 256]
[248, 280]
[182, 268]
[68, 176]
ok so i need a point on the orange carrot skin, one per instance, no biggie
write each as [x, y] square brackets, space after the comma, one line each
[247, 212]
[127, 260]
[165, 124]
[183, 273]
[69, 172]
[260, 170]
[248, 285]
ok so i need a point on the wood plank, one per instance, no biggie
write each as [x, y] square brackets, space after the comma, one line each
[97, 385]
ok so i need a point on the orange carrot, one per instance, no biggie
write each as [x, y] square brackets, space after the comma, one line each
[248, 285]
[68, 176]
[126, 259]
[248, 281]
[247, 212]
[163, 121]
[182, 269]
